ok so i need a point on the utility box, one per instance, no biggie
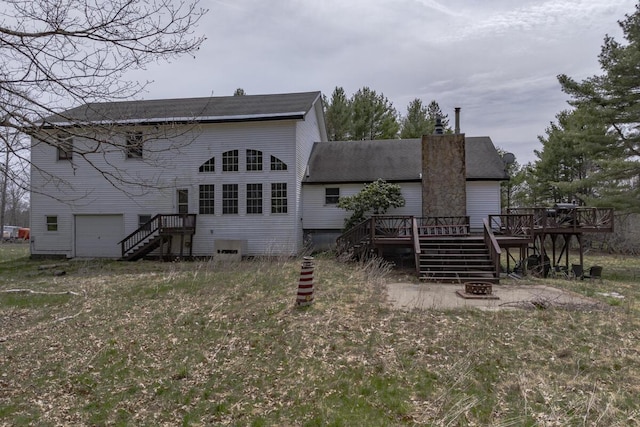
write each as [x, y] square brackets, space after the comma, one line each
[227, 250]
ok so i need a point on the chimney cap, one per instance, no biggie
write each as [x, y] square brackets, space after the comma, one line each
[439, 129]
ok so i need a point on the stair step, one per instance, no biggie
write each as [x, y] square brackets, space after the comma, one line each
[455, 254]
[455, 261]
[459, 279]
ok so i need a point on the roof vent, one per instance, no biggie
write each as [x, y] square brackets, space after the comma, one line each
[457, 129]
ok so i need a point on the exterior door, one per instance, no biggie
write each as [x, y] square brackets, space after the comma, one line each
[183, 201]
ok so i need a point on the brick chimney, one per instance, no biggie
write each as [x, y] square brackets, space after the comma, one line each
[444, 174]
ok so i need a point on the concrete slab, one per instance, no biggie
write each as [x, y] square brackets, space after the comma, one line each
[444, 296]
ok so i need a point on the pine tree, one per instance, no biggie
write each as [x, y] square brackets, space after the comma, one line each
[421, 120]
[415, 123]
[337, 112]
[433, 112]
[373, 116]
[614, 98]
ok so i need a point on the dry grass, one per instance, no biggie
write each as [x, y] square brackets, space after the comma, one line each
[212, 344]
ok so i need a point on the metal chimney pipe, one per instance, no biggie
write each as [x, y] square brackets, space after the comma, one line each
[457, 124]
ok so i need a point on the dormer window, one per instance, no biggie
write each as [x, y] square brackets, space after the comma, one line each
[133, 144]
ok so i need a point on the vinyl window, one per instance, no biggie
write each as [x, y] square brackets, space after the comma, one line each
[279, 197]
[206, 199]
[229, 199]
[254, 198]
[230, 161]
[52, 222]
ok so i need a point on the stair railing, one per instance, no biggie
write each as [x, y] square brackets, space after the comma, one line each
[140, 234]
[416, 243]
[491, 243]
[175, 223]
[356, 235]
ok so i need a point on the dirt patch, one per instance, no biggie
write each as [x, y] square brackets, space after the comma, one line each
[446, 296]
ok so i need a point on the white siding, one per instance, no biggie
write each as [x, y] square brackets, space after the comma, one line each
[483, 199]
[318, 216]
[307, 133]
[169, 164]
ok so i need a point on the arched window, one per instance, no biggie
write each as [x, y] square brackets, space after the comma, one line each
[254, 160]
[208, 166]
[277, 164]
[230, 161]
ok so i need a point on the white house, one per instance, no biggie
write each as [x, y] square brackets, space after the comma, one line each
[339, 169]
[236, 162]
[256, 172]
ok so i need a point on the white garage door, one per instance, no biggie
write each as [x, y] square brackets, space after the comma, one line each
[98, 236]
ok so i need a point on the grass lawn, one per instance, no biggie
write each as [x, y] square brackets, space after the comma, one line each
[200, 343]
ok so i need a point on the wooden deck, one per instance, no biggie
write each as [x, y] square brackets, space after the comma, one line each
[520, 228]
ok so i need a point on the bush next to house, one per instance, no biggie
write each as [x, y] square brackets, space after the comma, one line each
[375, 198]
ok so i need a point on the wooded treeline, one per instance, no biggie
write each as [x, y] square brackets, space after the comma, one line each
[590, 153]
[369, 115]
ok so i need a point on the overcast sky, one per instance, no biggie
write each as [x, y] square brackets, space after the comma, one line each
[496, 59]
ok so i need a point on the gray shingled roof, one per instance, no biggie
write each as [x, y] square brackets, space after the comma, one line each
[393, 160]
[210, 109]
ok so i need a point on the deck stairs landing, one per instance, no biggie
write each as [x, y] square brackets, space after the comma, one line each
[146, 246]
[157, 234]
[455, 259]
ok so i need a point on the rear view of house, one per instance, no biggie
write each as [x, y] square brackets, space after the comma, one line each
[106, 171]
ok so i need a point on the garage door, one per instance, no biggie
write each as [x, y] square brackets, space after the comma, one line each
[98, 236]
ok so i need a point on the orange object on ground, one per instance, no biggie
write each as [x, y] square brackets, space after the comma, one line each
[24, 233]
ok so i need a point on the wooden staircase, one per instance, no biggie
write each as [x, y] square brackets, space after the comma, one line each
[455, 259]
[157, 233]
[443, 247]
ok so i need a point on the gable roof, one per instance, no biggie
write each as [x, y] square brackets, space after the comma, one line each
[394, 160]
[188, 110]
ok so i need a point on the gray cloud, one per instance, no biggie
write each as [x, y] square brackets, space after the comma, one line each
[497, 59]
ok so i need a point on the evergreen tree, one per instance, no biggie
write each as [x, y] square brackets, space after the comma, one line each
[421, 120]
[433, 112]
[614, 97]
[373, 116]
[239, 92]
[337, 114]
[415, 123]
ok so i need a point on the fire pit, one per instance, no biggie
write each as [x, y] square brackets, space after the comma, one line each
[477, 290]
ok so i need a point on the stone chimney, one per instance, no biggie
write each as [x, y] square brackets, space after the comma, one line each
[444, 174]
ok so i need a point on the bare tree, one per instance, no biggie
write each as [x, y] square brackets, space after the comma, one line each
[60, 53]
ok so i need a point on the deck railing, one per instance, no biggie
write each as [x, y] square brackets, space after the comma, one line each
[386, 229]
[387, 226]
[159, 224]
[444, 226]
[512, 225]
[571, 218]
